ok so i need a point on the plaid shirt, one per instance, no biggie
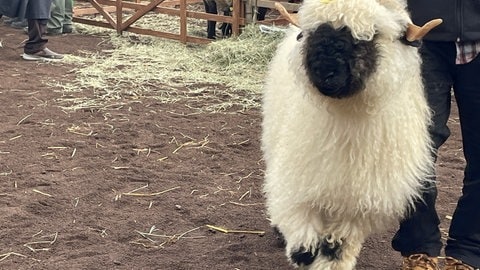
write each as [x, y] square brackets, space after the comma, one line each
[467, 51]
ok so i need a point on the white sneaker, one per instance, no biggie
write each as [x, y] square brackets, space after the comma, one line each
[45, 55]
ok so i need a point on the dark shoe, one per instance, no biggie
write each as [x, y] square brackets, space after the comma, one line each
[454, 264]
[19, 24]
[67, 29]
[54, 32]
[420, 262]
[9, 21]
[44, 54]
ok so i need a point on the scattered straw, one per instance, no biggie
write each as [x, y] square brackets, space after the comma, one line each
[120, 167]
[151, 236]
[244, 177]
[6, 173]
[149, 194]
[169, 71]
[16, 137]
[141, 150]
[75, 202]
[227, 231]
[57, 147]
[23, 119]
[137, 189]
[41, 192]
[245, 194]
[40, 245]
[245, 204]
[192, 143]
[6, 255]
[103, 232]
[73, 152]
[162, 159]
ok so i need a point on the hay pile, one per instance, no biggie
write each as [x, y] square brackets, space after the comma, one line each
[224, 74]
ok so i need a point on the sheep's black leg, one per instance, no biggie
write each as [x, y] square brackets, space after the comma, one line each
[210, 7]
[302, 256]
[331, 249]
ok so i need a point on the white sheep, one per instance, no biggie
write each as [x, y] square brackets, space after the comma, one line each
[345, 129]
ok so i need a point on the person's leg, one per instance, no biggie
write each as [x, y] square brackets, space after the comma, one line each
[211, 7]
[464, 234]
[261, 12]
[35, 47]
[419, 232]
[67, 21]
[57, 16]
[19, 23]
[35, 42]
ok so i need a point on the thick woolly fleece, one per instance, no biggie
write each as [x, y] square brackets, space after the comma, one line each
[339, 168]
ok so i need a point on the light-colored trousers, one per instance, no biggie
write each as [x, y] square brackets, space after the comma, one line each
[61, 15]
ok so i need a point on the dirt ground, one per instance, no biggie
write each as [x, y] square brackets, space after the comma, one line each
[135, 186]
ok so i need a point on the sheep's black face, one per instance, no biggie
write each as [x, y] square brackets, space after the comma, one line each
[336, 63]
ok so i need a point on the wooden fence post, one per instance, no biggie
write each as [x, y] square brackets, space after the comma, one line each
[119, 13]
[183, 21]
[236, 17]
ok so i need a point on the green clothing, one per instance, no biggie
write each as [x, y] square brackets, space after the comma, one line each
[61, 16]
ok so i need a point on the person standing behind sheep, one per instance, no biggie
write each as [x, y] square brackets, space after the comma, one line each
[450, 61]
[61, 18]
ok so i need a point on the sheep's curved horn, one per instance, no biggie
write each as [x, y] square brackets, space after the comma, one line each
[415, 32]
[289, 17]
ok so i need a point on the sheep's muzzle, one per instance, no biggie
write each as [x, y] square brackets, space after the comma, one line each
[336, 63]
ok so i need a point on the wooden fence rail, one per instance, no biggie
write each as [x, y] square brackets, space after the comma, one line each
[117, 22]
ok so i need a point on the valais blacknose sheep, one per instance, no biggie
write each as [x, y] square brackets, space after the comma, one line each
[345, 129]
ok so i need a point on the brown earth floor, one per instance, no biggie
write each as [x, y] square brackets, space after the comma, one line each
[65, 179]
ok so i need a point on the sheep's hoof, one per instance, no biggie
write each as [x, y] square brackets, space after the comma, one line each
[331, 249]
[302, 256]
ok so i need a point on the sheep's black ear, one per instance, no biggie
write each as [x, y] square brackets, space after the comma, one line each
[336, 63]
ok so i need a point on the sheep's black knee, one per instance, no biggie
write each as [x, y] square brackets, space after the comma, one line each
[302, 256]
[328, 248]
[336, 63]
[331, 249]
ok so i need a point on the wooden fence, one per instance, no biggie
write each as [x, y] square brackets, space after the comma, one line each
[243, 12]
[140, 8]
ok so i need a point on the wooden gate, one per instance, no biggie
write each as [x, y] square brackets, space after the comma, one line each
[140, 8]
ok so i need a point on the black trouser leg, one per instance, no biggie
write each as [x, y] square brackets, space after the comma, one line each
[210, 7]
[419, 232]
[261, 12]
[464, 234]
[35, 42]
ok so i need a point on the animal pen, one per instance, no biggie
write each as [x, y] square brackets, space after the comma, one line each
[243, 11]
